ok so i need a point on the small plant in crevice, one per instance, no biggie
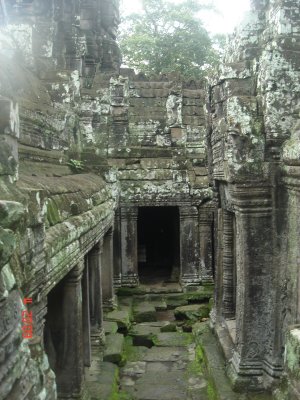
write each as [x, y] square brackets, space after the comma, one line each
[76, 166]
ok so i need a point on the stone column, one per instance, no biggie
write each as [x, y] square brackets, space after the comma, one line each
[229, 268]
[95, 286]
[255, 291]
[216, 314]
[206, 245]
[86, 317]
[108, 295]
[189, 246]
[70, 369]
[129, 246]
[117, 251]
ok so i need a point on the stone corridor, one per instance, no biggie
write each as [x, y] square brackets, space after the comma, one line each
[97, 161]
[159, 347]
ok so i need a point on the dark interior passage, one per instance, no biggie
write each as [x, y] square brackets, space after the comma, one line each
[54, 328]
[158, 244]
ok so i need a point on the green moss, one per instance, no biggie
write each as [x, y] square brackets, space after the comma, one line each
[131, 352]
[198, 367]
[115, 387]
[211, 392]
[53, 216]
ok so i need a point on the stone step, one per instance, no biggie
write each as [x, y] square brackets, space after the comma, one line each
[178, 339]
[144, 334]
[110, 327]
[148, 289]
[121, 317]
[194, 312]
[114, 348]
[101, 380]
[174, 303]
[165, 354]
[144, 312]
[161, 386]
[159, 305]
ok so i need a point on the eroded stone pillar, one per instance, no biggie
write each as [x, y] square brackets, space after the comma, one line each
[117, 251]
[108, 295]
[129, 246]
[206, 245]
[95, 290]
[189, 246]
[70, 367]
[229, 268]
[254, 296]
[86, 317]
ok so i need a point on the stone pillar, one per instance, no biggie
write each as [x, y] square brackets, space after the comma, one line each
[216, 313]
[117, 251]
[95, 290]
[229, 268]
[108, 295]
[129, 246]
[70, 369]
[255, 291]
[86, 317]
[189, 246]
[206, 245]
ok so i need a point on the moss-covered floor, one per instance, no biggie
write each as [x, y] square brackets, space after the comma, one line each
[159, 347]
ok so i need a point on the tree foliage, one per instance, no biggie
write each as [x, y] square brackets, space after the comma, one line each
[167, 37]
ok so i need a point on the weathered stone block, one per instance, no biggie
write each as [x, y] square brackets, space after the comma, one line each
[144, 312]
[192, 312]
[114, 348]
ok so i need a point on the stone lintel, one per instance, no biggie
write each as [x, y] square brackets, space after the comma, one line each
[189, 212]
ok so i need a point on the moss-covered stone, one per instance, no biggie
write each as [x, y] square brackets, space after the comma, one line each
[192, 312]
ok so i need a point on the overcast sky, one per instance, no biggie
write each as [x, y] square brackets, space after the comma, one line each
[230, 13]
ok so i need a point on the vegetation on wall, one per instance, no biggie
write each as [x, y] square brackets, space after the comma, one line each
[168, 37]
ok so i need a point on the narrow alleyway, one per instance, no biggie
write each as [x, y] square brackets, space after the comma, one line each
[154, 349]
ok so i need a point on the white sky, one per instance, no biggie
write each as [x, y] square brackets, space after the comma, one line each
[230, 13]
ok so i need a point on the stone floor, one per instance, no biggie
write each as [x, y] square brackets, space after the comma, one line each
[152, 351]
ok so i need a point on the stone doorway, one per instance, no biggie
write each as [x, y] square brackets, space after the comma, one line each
[158, 244]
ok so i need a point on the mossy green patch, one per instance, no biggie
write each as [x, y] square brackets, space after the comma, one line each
[211, 392]
[131, 353]
[53, 216]
[115, 387]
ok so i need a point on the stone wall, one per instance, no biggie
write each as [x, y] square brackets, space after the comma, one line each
[52, 219]
[254, 107]
[156, 150]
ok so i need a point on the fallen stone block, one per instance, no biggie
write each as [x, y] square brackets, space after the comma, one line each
[193, 312]
[114, 348]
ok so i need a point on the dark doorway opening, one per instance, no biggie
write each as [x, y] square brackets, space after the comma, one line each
[54, 338]
[158, 244]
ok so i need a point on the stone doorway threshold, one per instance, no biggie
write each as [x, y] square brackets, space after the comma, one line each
[159, 287]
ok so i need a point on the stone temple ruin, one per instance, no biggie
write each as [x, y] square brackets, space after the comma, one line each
[110, 180]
